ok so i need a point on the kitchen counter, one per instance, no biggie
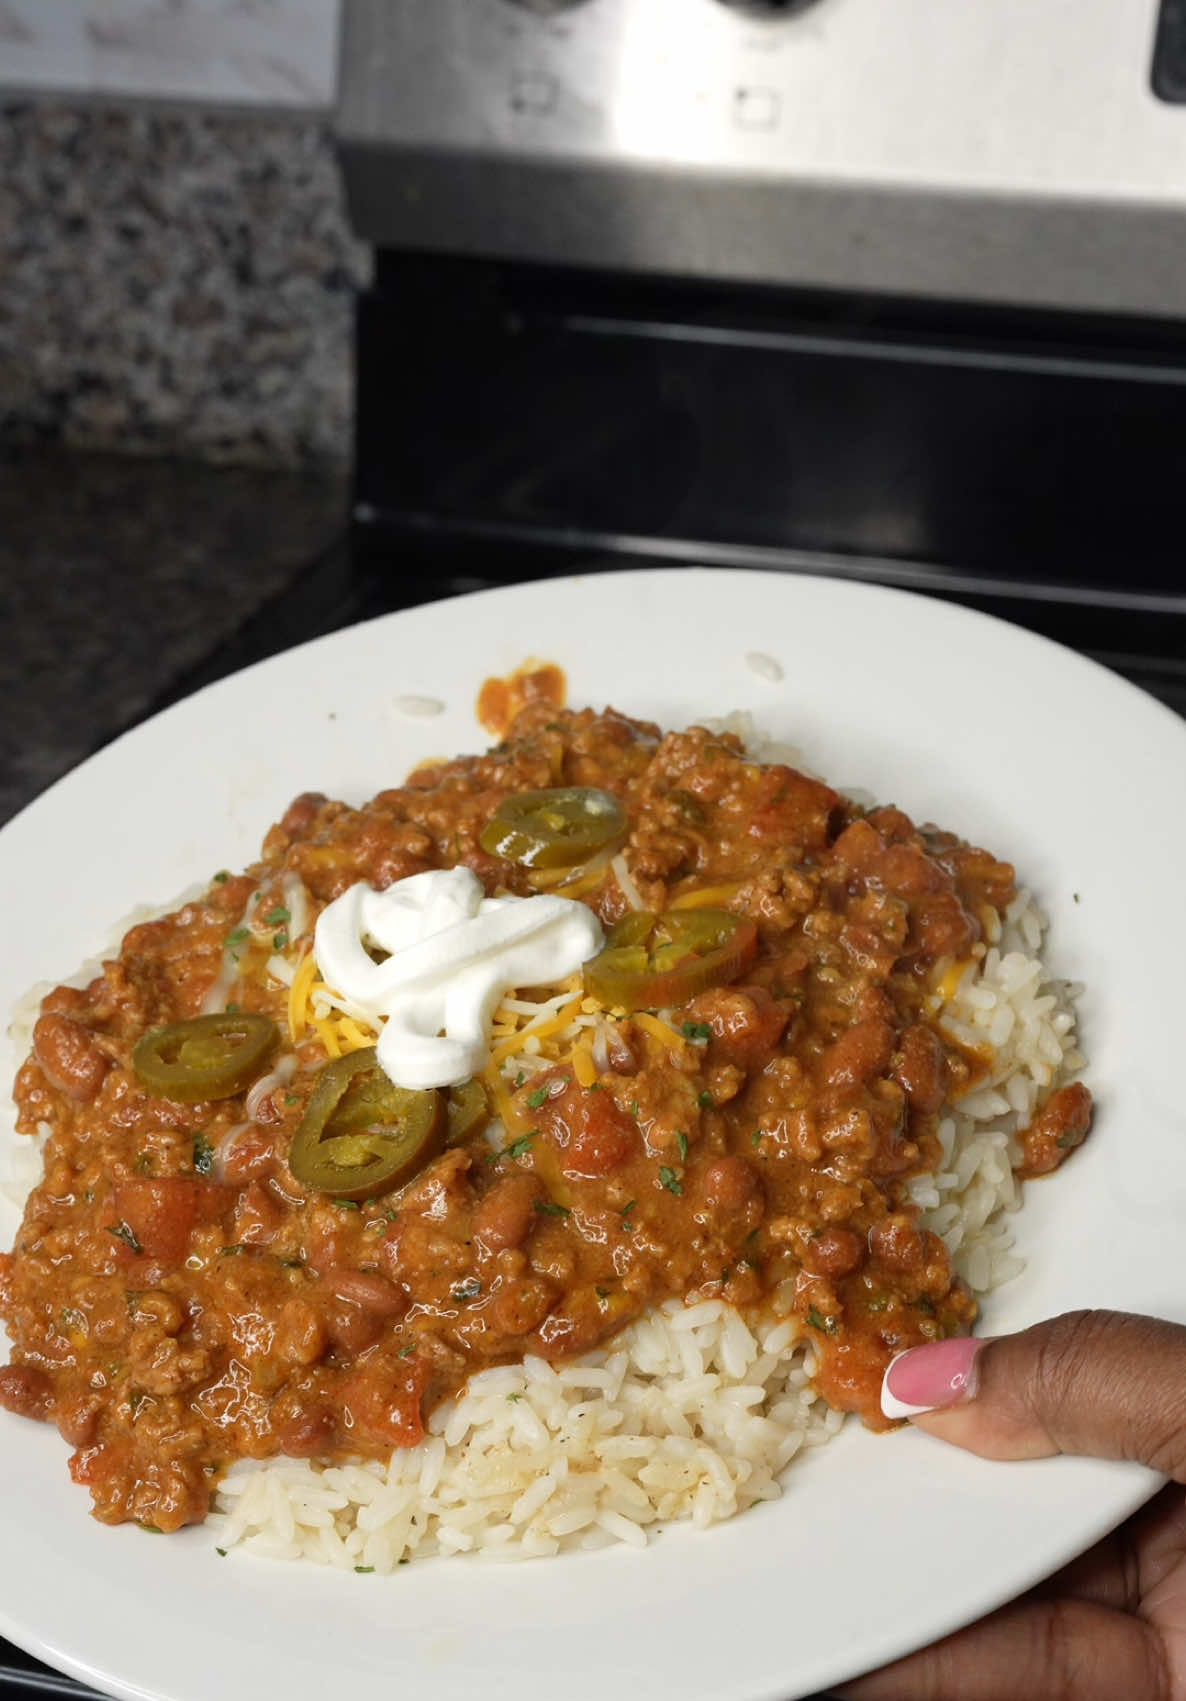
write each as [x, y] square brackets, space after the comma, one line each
[118, 576]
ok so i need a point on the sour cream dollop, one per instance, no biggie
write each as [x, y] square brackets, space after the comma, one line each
[454, 953]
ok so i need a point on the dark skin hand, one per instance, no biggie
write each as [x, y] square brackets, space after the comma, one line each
[1112, 1625]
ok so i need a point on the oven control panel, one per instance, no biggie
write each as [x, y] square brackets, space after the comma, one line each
[646, 116]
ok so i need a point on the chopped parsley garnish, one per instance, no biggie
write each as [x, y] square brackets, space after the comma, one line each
[221, 1552]
[121, 1231]
[232, 1009]
[405, 1352]
[237, 935]
[539, 1097]
[827, 1325]
[1066, 1141]
[756, 1137]
[292, 1098]
[520, 1147]
[550, 1208]
[695, 1030]
[706, 1100]
[221, 878]
[520, 1078]
[231, 1251]
[347, 1204]
[670, 1180]
[362, 1570]
[514, 1398]
[634, 1109]
[469, 1289]
[276, 917]
[626, 1210]
[203, 1155]
[280, 943]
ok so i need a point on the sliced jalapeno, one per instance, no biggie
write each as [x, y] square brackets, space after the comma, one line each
[361, 1134]
[468, 1108]
[207, 1057]
[554, 829]
[661, 961]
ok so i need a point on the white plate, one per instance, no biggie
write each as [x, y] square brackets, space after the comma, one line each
[880, 1544]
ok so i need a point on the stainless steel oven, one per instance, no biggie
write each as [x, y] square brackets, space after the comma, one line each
[893, 292]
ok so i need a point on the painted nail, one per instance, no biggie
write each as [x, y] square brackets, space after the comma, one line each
[925, 1379]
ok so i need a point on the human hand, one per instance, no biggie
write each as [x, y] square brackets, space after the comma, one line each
[1111, 1626]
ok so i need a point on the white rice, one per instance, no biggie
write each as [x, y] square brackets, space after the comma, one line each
[690, 1413]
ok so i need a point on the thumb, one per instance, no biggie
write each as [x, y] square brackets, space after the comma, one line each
[1099, 1383]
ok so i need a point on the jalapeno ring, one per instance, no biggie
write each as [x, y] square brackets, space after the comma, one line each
[206, 1057]
[361, 1134]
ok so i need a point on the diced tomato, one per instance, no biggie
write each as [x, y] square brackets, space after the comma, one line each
[383, 1397]
[161, 1215]
[604, 1137]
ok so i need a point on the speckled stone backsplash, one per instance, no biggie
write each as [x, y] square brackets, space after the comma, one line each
[175, 282]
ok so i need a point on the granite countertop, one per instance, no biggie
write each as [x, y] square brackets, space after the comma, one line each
[118, 576]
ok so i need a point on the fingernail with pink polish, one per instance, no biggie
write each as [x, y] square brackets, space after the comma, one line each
[925, 1379]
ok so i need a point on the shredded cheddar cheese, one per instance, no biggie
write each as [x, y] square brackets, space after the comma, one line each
[537, 1031]
[298, 996]
[708, 897]
[948, 984]
[658, 1029]
[583, 1066]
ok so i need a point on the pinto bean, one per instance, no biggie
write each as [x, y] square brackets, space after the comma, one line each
[301, 813]
[861, 1053]
[69, 1057]
[366, 1288]
[351, 1329]
[504, 1218]
[518, 1307]
[26, 1391]
[731, 1184]
[1059, 1127]
[305, 1432]
[833, 1252]
[78, 1418]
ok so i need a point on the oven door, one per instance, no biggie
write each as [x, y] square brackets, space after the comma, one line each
[1029, 465]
